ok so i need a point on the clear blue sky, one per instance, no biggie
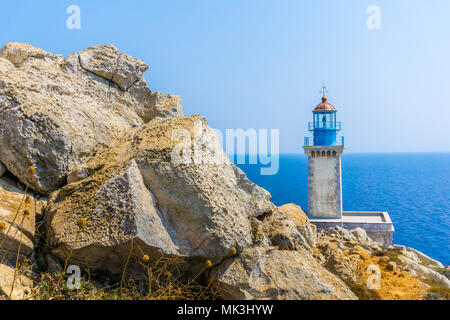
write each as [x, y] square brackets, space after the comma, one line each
[260, 64]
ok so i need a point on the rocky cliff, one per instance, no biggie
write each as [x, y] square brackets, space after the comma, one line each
[101, 173]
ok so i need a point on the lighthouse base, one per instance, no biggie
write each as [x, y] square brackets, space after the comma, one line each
[378, 225]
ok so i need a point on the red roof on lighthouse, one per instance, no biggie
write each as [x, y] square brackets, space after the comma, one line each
[325, 106]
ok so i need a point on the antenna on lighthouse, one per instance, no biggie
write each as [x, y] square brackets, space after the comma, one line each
[324, 90]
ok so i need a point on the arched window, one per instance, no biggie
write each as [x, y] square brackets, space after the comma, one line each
[313, 154]
[334, 153]
[323, 153]
[328, 153]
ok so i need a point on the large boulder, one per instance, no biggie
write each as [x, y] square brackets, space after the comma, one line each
[301, 221]
[107, 62]
[286, 227]
[167, 185]
[269, 273]
[56, 113]
[282, 232]
[117, 208]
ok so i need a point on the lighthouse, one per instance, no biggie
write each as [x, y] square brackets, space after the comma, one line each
[324, 149]
[324, 162]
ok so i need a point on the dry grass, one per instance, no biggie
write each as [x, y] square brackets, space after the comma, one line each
[163, 280]
[162, 283]
[395, 284]
[438, 292]
[26, 213]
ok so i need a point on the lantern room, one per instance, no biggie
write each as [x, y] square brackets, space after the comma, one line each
[324, 126]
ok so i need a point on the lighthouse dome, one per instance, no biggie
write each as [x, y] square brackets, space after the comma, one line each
[325, 106]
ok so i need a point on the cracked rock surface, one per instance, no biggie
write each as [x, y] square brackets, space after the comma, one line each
[57, 113]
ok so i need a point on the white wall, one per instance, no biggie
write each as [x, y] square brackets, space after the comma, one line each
[324, 187]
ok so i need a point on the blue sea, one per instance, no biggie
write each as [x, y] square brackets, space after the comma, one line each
[413, 187]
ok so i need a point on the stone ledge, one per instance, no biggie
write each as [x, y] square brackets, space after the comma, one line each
[378, 225]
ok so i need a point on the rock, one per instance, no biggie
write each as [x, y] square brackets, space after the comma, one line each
[338, 233]
[402, 277]
[22, 284]
[360, 234]
[109, 63]
[268, 273]
[411, 255]
[398, 247]
[21, 227]
[295, 213]
[165, 106]
[136, 190]
[422, 271]
[56, 113]
[19, 53]
[2, 169]
[282, 231]
[117, 209]
[259, 237]
[344, 265]
[77, 173]
[391, 266]
[424, 259]
[53, 266]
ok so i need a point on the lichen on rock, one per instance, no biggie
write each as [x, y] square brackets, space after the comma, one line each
[55, 114]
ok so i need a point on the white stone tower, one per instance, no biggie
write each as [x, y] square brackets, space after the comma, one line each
[324, 181]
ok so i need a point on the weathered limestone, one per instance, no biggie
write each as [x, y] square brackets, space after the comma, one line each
[349, 254]
[192, 210]
[2, 169]
[22, 284]
[15, 226]
[301, 221]
[268, 273]
[109, 63]
[19, 53]
[117, 208]
[288, 228]
[418, 256]
[377, 225]
[414, 264]
[55, 114]
[165, 106]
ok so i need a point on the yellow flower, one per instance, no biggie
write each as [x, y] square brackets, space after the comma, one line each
[145, 258]
[81, 222]
[233, 251]
[26, 212]
[31, 170]
[2, 226]
[208, 264]
[27, 199]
